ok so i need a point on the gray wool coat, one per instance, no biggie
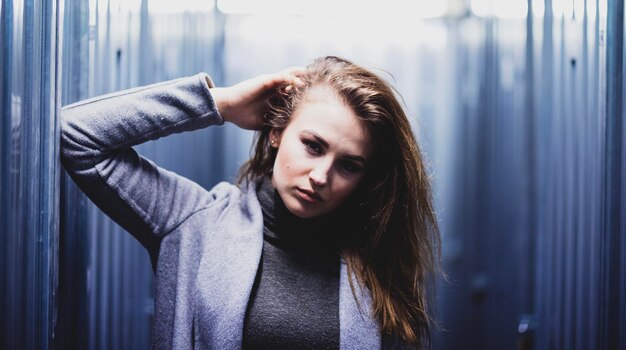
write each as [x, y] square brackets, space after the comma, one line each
[205, 246]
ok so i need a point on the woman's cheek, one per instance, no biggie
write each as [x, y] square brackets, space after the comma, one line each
[296, 160]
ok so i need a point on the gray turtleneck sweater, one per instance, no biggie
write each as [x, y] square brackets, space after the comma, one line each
[295, 298]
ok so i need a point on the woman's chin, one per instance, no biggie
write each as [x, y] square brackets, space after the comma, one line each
[302, 210]
[303, 213]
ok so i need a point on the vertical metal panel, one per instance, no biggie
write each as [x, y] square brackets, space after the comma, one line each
[490, 208]
[570, 137]
[620, 303]
[530, 191]
[620, 325]
[613, 245]
[29, 173]
[72, 329]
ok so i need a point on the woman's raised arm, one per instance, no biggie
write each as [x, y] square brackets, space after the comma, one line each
[96, 139]
[98, 135]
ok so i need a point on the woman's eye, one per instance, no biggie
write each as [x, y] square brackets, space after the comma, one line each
[350, 167]
[312, 147]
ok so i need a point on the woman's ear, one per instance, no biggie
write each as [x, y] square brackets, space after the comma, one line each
[275, 136]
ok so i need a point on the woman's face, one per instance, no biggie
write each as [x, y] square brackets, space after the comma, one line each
[322, 155]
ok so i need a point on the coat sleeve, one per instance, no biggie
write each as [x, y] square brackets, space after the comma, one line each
[97, 136]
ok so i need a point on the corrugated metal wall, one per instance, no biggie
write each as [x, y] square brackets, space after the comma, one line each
[529, 220]
[520, 116]
[538, 215]
[29, 172]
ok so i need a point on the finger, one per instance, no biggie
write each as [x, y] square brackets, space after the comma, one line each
[290, 76]
[295, 70]
[293, 75]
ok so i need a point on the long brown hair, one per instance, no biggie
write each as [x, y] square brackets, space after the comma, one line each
[395, 249]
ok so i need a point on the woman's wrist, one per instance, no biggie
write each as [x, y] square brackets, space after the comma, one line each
[221, 102]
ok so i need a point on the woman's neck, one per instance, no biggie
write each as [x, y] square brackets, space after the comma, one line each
[283, 227]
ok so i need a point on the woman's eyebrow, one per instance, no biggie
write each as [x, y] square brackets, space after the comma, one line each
[317, 137]
[356, 158]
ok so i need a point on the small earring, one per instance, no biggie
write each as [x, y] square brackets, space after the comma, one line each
[273, 142]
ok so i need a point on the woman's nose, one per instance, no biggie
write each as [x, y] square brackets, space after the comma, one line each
[319, 174]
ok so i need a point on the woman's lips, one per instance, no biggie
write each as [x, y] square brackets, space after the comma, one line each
[309, 196]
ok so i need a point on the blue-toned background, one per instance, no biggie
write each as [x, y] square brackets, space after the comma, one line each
[518, 106]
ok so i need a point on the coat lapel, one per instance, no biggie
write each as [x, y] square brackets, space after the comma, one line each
[357, 328]
[227, 272]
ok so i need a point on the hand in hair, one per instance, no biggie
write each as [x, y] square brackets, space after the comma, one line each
[243, 104]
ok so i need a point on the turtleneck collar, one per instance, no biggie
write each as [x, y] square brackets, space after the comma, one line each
[289, 232]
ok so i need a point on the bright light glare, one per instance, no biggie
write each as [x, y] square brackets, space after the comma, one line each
[179, 6]
[511, 9]
[270, 33]
[102, 6]
[579, 9]
[154, 6]
[114, 6]
[591, 9]
[505, 9]
[539, 8]
[358, 8]
[92, 12]
[562, 8]
[481, 8]
[602, 8]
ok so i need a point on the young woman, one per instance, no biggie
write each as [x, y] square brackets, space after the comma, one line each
[329, 240]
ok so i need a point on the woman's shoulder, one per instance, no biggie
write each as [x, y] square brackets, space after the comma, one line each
[234, 194]
[224, 205]
[225, 191]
